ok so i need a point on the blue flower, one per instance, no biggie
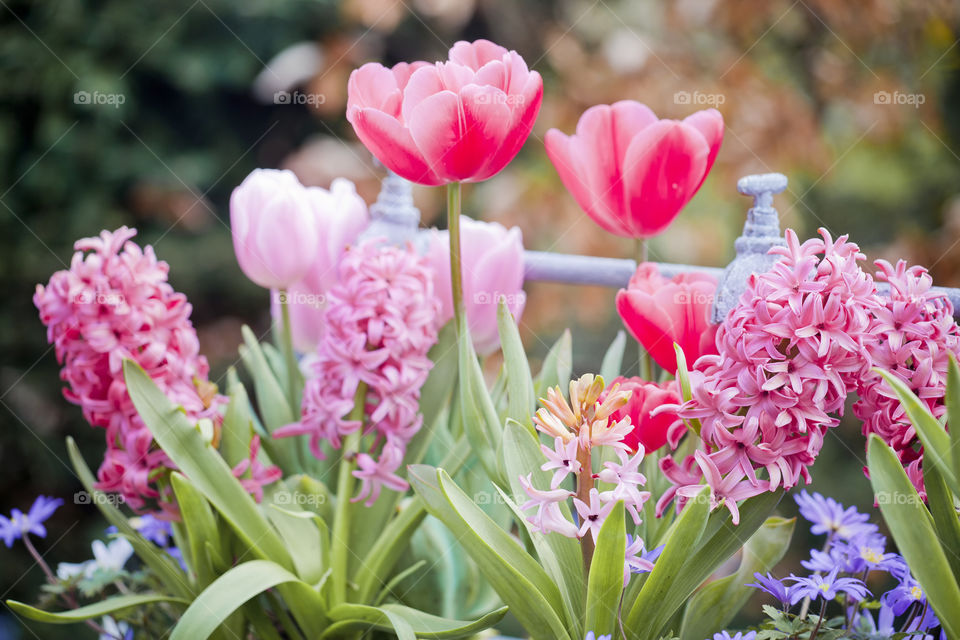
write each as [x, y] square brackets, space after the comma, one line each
[739, 635]
[866, 553]
[590, 636]
[826, 587]
[157, 531]
[829, 516]
[903, 595]
[837, 556]
[774, 587]
[20, 524]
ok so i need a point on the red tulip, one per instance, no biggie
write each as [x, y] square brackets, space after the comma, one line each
[457, 121]
[631, 172]
[651, 431]
[659, 312]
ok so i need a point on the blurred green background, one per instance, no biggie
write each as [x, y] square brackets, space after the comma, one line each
[148, 114]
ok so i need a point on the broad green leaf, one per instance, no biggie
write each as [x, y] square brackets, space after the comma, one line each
[652, 608]
[943, 509]
[273, 404]
[354, 617]
[517, 577]
[557, 366]
[201, 526]
[936, 442]
[237, 431]
[612, 364]
[912, 529]
[605, 583]
[481, 423]
[716, 604]
[205, 469]
[559, 555]
[303, 533]
[95, 610]
[522, 402]
[952, 400]
[161, 563]
[231, 590]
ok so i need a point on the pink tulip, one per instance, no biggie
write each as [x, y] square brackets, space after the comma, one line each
[650, 431]
[660, 312]
[631, 172]
[492, 258]
[274, 227]
[341, 217]
[457, 121]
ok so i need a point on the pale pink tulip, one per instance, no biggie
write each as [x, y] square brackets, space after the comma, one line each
[457, 121]
[274, 227]
[630, 171]
[492, 259]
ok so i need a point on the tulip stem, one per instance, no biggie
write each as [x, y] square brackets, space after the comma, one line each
[340, 534]
[286, 338]
[453, 227]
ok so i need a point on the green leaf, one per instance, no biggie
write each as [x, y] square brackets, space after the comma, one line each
[201, 526]
[237, 431]
[355, 617]
[716, 604]
[686, 391]
[161, 563]
[481, 422]
[605, 583]
[557, 366]
[612, 363]
[651, 610]
[952, 400]
[95, 610]
[303, 532]
[205, 469]
[522, 402]
[912, 529]
[936, 442]
[274, 407]
[943, 509]
[231, 590]
[519, 580]
[559, 555]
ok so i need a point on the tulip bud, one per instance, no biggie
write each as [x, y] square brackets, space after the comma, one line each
[275, 230]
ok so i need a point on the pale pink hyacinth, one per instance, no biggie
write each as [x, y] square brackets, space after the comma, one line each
[113, 304]
[911, 336]
[253, 474]
[580, 429]
[381, 320]
[789, 354]
[492, 263]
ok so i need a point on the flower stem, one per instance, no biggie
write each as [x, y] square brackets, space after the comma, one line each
[816, 629]
[584, 485]
[453, 226]
[286, 337]
[340, 535]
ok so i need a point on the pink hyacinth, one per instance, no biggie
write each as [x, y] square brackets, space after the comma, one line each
[911, 336]
[381, 320]
[789, 354]
[113, 304]
[253, 474]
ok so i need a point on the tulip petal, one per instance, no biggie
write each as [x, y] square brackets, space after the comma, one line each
[649, 325]
[392, 144]
[476, 54]
[709, 123]
[663, 166]
[373, 86]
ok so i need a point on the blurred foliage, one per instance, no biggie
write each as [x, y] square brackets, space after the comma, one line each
[797, 82]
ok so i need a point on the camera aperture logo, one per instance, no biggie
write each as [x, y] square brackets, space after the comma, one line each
[98, 98]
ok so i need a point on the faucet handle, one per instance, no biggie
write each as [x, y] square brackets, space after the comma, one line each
[762, 187]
